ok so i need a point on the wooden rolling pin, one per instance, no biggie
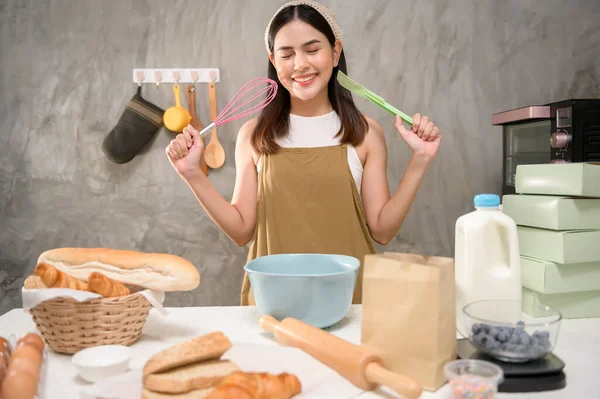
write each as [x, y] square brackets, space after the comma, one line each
[361, 367]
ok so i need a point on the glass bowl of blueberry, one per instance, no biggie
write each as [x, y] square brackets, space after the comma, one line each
[500, 329]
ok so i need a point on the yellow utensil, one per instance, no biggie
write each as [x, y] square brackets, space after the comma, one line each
[176, 117]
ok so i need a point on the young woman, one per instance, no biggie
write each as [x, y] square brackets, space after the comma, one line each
[310, 169]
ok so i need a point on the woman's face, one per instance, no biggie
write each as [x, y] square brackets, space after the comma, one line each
[304, 59]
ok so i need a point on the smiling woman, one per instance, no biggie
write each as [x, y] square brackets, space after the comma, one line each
[304, 53]
[311, 169]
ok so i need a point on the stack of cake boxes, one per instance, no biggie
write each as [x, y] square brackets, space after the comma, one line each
[557, 212]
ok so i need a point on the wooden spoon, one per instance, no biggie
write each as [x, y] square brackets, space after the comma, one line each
[191, 98]
[214, 152]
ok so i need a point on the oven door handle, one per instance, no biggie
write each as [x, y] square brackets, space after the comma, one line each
[521, 114]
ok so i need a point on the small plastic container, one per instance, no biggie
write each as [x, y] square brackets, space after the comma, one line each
[101, 362]
[473, 379]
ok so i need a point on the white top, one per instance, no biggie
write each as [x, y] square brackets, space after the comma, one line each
[256, 350]
[319, 131]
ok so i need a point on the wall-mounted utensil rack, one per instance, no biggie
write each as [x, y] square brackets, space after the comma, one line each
[175, 75]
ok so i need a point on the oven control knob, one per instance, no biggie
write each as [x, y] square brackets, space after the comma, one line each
[559, 140]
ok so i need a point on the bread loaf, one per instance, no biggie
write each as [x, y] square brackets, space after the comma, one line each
[195, 394]
[205, 347]
[199, 375]
[162, 272]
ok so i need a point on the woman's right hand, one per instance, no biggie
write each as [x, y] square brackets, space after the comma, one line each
[184, 152]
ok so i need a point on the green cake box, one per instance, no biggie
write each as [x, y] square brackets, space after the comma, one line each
[554, 278]
[553, 212]
[581, 179]
[570, 246]
[572, 305]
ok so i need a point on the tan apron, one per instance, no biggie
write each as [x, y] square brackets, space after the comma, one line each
[308, 202]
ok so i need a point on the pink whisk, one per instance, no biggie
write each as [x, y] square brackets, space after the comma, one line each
[230, 112]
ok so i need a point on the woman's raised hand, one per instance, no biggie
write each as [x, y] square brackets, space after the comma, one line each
[184, 152]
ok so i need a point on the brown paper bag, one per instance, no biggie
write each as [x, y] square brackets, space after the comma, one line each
[408, 314]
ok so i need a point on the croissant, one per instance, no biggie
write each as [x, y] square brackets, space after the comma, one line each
[33, 282]
[54, 278]
[247, 385]
[100, 284]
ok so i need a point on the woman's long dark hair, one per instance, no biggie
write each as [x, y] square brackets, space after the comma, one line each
[273, 121]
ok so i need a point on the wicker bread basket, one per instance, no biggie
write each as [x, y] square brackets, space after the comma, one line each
[68, 326]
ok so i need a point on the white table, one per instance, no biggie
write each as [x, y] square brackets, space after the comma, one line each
[578, 346]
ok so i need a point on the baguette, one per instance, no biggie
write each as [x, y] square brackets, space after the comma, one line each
[205, 347]
[162, 272]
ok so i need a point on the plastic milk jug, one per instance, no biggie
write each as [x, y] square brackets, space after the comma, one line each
[486, 256]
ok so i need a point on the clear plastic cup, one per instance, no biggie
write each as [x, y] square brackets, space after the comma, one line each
[473, 379]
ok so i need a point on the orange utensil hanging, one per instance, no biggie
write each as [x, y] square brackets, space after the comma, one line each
[191, 98]
[214, 152]
[176, 117]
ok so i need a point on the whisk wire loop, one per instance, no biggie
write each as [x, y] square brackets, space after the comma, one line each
[245, 95]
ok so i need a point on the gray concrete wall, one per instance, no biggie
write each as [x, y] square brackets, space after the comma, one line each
[65, 76]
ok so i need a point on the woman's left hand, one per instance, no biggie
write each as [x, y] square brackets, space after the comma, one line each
[423, 139]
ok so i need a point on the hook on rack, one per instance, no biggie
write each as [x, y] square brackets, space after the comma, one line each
[140, 78]
[157, 77]
[195, 77]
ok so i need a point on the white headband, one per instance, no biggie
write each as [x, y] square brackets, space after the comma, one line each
[320, 8]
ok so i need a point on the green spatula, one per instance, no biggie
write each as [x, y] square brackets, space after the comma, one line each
[362, 91]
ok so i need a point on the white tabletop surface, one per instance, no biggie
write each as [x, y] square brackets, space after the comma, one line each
[578, 346]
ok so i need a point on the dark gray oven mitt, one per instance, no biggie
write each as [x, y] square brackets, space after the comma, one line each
[139, 122]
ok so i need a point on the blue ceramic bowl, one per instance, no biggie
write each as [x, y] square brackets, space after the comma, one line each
[314, 288]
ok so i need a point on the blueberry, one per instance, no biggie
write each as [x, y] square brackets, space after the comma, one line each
[476, 328]
[478, 338]
[494, 331]
[521, 349]
[503, 336]
[484, 339]
[524, 339]
[497, 345]
[546, 345]
[515, 338]
[535, 341]
[520, 325]
[485, 327]
[490, 343]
